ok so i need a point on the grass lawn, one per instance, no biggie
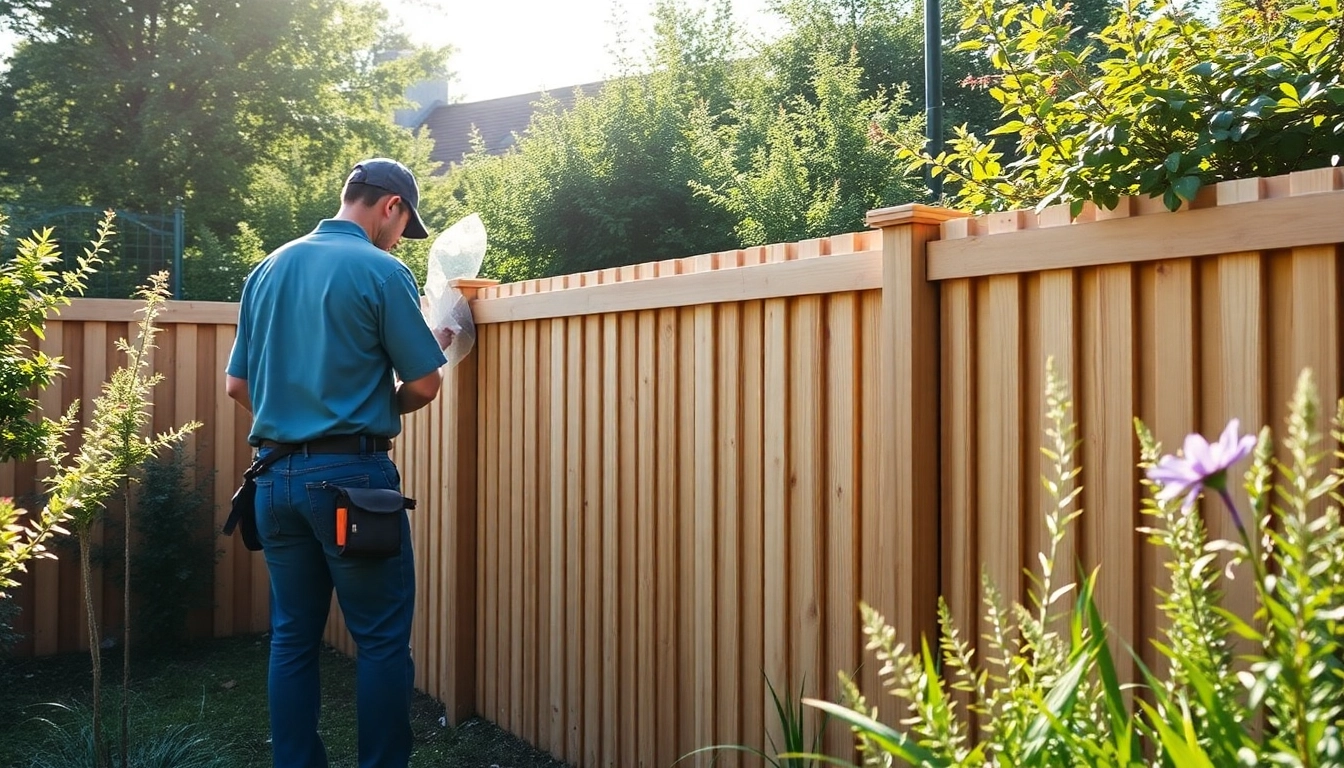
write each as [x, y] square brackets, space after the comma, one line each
[218, 687]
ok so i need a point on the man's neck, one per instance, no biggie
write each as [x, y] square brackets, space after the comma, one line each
[360, 216]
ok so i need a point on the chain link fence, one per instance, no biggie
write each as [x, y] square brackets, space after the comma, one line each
[144, 244]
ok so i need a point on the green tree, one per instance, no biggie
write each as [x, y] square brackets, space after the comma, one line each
[821, 167]
[112, 450]
[884, 39]
[214, 269]
[1163, 103]
[138, 104]
[607, 182]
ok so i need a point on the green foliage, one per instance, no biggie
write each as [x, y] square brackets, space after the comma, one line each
[135, 104]
[884, 40]
[72, 744]
[821, 167]
[606, 182]
[113, 447]
[795, 748]
[1162, 102]
[31, 287]
[1044, 698]
[172, 563]
[705, 150]
[214, 270]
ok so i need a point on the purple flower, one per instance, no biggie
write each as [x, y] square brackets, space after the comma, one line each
[1201, 464]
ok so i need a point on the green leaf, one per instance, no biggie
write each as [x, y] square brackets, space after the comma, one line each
[890, 740]
[1186, 187]
[1303, 13]
[1204, 69]
[1058, 703]
[1012, 126]
[1182, 752]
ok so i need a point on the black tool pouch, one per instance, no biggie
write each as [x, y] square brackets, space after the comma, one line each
[243, 512]
[367, 521]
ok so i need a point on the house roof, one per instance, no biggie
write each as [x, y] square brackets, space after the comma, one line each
[497, 120]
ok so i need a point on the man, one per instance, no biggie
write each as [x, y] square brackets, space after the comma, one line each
[325, 323]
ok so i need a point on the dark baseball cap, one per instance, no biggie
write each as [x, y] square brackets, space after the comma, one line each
[396, 178]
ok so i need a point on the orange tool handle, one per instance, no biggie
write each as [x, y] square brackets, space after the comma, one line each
[340, 526]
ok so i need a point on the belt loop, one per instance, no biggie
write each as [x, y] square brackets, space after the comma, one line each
[364, 446]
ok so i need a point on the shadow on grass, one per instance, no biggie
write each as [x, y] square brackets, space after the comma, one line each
[218, 687]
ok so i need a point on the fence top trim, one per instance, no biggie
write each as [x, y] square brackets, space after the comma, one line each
[833, 274]
[127, 311]
[1299, 209]
[828, 247]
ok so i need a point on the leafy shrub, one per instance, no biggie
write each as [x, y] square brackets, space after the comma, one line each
[172, 562]
[1048, 694]
[213, 269]
[31, 286]
[1161, 103]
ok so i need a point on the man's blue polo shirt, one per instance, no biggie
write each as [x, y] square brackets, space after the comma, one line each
[324, 321]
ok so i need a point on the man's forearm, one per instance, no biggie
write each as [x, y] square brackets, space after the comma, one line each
[412, 399]
[236, 388]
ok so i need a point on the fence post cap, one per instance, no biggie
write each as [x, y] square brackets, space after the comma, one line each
[911, 213]
[472, 282]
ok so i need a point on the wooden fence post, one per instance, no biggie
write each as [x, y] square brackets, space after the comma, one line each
[459, 478]
[905, 579]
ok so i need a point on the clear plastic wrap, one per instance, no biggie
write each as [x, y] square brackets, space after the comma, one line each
[456, 254]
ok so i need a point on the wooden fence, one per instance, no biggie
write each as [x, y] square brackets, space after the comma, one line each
[651, 488]
[191, 353]
[691, 471]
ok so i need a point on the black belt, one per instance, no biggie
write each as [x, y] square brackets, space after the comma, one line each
[337, 444]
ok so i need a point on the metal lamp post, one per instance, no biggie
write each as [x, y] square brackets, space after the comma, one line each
[933, 87]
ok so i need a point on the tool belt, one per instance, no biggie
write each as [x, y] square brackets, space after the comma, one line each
[242, 512]
[336, 444]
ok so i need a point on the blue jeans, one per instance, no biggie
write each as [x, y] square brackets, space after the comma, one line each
[296, 521]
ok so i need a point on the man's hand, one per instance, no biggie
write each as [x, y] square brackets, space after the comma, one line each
[444, 336]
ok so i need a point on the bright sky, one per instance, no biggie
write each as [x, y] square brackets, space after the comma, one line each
[507, 47]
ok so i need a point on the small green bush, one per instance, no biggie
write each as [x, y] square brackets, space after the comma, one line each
[172, 561]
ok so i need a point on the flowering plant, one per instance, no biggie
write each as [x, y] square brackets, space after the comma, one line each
[1047, 692]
